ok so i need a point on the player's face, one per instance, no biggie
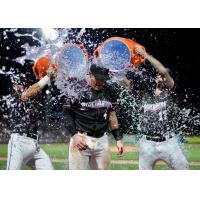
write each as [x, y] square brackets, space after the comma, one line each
[159, 82]
[95, 83]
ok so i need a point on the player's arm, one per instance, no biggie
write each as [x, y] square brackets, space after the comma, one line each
[114, 128]
[35, 89]
[169, 82]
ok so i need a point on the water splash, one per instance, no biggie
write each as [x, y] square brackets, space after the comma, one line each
[188, 119]
[50, 43]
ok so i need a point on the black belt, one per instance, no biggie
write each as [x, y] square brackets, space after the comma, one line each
[157, 139]
[95, 135]
[31, 135]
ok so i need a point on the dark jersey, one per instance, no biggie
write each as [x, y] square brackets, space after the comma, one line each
[26, 117]
[157, 114]
[89, 110]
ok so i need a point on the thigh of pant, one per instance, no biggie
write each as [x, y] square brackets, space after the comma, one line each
[14, 157]
[78, 160]
[101, 155]
[40, 160]
[173, 155]
[148, 154]
[20, 149]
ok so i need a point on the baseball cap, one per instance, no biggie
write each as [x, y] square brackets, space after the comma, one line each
[99, 72]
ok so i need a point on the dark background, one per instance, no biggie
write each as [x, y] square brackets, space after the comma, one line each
[177, 49]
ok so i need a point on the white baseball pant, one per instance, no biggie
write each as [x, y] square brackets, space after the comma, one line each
[96, 156]
[168, 151]
[25, 150]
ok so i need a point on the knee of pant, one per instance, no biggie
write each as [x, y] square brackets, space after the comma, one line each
[185, 165]
[182, 165]
[145, 167]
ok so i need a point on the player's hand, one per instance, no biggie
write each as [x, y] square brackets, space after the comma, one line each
[18, 88]
[79, 142]
[120, 147]
[52, 72]
[24, 96]
[139, 50]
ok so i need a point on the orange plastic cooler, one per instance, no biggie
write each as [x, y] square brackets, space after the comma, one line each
[43, 63]
[41, 66]
[135, 59]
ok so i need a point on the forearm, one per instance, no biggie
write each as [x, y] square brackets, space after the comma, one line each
[169, 82]
[113, 122]
[156, 64]
[35, 89]
[32, 91]
[114, 126]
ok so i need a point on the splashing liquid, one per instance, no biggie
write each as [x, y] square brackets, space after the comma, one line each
[50, 42]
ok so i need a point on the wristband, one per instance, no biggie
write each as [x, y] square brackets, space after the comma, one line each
[116, 134]
[44, 81]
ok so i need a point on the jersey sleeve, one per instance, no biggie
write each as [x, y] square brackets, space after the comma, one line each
[68, 117]
[113, 91]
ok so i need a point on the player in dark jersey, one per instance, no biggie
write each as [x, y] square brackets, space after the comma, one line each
[157, 117]
[89, 117]
[25, 114]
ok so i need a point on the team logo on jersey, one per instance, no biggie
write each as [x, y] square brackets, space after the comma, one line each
[97, 104]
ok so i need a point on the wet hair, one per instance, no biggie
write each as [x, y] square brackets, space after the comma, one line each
[99, 71]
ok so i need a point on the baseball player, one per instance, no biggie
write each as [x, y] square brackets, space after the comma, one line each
[89, 116]
[157, 117]
[23, 147]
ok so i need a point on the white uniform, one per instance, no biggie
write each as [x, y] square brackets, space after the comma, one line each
[96, 156]
[25, 150]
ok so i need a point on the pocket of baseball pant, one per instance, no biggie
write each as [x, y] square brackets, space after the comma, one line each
[72, 147]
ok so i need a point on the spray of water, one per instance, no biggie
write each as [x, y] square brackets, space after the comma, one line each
[52, 40]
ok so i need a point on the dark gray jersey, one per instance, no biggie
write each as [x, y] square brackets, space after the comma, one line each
[157, 114]
[26, 117]
[89, 111]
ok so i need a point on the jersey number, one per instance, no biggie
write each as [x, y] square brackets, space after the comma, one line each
[162, 115]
